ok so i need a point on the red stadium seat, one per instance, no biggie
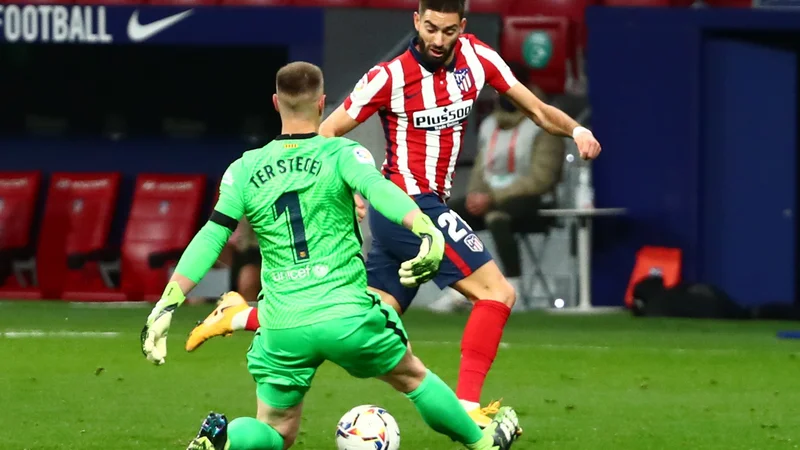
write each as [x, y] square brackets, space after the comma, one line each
[184, 2]
[410, 5]
[69, 218]
[330, 3]
[476, 6]
[216, 195]
[111, 2]
[19, 192]
[39, 2]
[256, 2]
[89, 202]
[488, 6]
[574, 10]
[637, 3]
[552, 79]
[74, 202]
[163, 219]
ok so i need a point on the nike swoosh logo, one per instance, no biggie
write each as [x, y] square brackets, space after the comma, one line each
[412, 95]
[138, 32]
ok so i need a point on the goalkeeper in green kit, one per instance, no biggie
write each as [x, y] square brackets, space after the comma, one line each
[297, 193]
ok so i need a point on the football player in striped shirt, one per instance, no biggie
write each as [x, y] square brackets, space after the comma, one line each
[423, 98]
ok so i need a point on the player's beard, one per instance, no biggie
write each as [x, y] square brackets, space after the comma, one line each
[429, 58]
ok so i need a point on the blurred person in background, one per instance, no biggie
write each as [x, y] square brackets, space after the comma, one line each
[515, 174]
[243, 259]
[245, 262]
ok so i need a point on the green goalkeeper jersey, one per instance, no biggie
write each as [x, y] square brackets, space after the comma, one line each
[297, 193]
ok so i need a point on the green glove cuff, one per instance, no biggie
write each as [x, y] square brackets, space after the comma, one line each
[423, 225]
[173, 294]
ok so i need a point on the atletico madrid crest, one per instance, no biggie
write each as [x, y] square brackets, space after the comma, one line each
[464, 79]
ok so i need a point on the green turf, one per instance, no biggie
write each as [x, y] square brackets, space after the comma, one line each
[588, 382]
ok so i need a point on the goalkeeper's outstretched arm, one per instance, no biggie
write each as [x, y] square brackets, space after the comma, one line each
[357, 168]
[200, 255]
[196, 261]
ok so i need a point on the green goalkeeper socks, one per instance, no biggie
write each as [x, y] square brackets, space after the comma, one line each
[441, 410]
[247, 433]
[435, 401]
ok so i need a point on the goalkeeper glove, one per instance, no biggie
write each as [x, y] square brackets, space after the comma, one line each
[425, 265]
[154, 333]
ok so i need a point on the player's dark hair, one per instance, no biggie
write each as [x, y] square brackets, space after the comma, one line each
[299, 79]
[444, 6]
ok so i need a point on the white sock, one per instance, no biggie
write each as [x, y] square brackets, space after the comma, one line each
[469, 406]
[239, 321]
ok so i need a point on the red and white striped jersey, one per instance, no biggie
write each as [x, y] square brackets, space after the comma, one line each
[424, 110]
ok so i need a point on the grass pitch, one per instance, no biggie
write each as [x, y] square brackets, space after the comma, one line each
[73, 377]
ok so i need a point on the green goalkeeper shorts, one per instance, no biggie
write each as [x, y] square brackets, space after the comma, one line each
[283, 362]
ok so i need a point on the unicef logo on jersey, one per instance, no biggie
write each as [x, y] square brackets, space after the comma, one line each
[317, 271]
[291, 275]
[443, 117]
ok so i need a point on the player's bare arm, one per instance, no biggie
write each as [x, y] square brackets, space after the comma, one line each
[358, 171]
[551, 119]
[337, 124]
[554, 121]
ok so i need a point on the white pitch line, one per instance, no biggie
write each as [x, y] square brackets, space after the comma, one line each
[413, 343]
[30, 334]
[110, 305]
[505, 345]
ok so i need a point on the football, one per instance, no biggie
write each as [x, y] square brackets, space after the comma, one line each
[367, 427]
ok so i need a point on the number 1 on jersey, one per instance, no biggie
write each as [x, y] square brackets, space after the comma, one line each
[290, 203]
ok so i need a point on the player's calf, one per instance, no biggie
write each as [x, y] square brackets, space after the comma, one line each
[494, 297]
[437, 403]
[407, 375]
[277, 422]
[492, 287]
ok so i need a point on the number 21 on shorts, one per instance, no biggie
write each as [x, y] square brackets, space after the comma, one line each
[455, 226]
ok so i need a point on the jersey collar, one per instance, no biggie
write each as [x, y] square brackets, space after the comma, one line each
[412, 47]
[284, 137]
